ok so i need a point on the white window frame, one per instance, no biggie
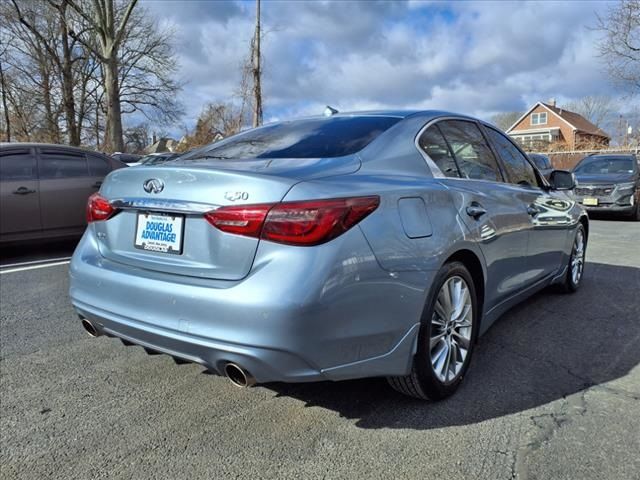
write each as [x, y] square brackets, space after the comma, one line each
[536, 118]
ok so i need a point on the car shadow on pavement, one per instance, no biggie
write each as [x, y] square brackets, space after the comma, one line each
[545, 349]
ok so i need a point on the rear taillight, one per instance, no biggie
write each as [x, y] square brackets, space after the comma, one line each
[98, 208]
[294, 223]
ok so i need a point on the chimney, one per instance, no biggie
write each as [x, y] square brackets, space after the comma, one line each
[153, 138]
[552, 102]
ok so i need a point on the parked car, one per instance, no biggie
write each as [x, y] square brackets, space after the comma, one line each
[128, 158]
[609, 184]
[156, 158]
[44, 189]
[330, 248]
[542, 162]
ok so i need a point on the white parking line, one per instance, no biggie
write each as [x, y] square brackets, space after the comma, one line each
[33, 267]
[34, 262]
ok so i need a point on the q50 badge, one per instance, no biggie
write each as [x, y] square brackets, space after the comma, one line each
[235, 196]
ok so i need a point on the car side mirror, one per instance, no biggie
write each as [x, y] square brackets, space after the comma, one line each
[562, 180]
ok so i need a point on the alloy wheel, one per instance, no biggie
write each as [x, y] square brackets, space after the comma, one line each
[451, 328]
[577, 259]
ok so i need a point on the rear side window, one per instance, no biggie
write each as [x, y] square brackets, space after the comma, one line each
[518, 168]
[58, 164]
[98, 166]
[433, 144]
[17, 165]
[470, 150]
[314, 138]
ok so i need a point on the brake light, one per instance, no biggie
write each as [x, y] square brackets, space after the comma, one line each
[304, 223]
[98, 208]
[244, 220]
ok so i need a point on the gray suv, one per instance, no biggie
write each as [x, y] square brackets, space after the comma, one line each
[44, 189]
[609, 184]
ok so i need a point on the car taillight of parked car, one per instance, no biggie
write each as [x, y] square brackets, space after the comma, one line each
[304, 223]
[98, 208]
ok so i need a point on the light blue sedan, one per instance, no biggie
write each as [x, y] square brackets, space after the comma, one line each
[328, 248]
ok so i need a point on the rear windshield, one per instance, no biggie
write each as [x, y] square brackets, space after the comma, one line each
[326, 137]
[604, 165]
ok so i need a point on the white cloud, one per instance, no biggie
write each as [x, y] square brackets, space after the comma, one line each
[471, 57]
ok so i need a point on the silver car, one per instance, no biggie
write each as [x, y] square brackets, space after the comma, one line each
[328, 248]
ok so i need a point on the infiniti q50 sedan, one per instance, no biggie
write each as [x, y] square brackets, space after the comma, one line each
[328, 248]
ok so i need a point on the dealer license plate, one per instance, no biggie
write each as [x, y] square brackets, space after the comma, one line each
[159, 232]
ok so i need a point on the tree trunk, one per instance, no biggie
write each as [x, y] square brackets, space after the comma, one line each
[52, 126]
[7, 120]
[114, 142]
[67, 81]
[257, 73]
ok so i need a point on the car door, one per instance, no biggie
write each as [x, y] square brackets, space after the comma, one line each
[484, 202]
[65, 186]
[19, 199]
[547, 210]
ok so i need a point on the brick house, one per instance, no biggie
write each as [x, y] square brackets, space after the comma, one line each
[545, 124]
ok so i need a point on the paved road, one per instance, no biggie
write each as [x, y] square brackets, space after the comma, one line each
[553, 393]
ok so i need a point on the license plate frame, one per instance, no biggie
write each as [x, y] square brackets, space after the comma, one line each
[175, 234]
[590, 202]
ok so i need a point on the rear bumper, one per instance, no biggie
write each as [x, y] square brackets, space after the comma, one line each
[297, 317]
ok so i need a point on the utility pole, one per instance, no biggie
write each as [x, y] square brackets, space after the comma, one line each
[257, 72]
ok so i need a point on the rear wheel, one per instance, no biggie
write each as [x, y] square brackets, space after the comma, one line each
[446, 337]
[576, 262]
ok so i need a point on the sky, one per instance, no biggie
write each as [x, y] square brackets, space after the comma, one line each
[477, 58]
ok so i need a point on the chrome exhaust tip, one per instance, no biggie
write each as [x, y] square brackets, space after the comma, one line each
[238, 375]
[89, 328]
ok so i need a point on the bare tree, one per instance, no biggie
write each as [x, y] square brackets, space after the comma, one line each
[147, 68]
[108, 23]
[217, 120]
[620, 45]
[505, 120]
[598, 109]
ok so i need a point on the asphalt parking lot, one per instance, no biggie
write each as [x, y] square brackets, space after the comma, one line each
[553, 393]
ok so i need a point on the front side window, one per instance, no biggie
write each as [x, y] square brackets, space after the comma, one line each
[539, 118]
[17, 165]
[313, 138]
[470, 149]
[433, 144]
[57, 164]
[519, 170]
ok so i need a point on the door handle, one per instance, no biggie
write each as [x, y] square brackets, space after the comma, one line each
[98, 184]
[476, 210]
[23, 191]
[533, 210]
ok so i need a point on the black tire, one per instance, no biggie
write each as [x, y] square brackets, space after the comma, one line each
[569, 285]
[636, 215]
[422, 382]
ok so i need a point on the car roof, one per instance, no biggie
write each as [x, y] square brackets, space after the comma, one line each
[427, 114]
[47, 145]
[612, 155]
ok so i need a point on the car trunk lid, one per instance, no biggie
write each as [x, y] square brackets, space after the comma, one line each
[175, 204]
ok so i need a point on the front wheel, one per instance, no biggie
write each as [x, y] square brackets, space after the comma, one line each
[446, 338]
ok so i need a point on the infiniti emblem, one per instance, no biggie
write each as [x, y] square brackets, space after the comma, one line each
[153, 185]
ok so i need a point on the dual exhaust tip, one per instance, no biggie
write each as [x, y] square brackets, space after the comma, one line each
[239, 376]
[90, 328]
[235, 373]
